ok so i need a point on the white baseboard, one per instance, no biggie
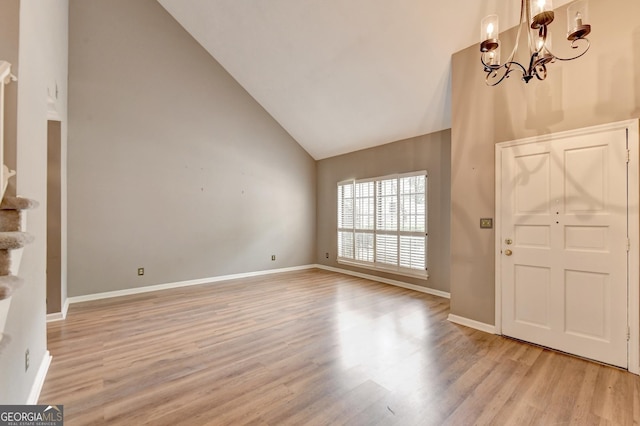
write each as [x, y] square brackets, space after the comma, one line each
[34, 395]
[59, 316]
[396, 283]
[56, 316]
[65, 308]
[211, 280]
[487, 328]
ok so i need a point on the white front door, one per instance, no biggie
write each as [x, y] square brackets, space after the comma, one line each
[564, 245]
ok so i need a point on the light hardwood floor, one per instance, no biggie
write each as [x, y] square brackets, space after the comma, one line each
[313, 347]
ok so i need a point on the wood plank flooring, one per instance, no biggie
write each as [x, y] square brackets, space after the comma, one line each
[313, 348]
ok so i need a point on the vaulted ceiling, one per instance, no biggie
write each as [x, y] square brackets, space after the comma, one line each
[343, 75]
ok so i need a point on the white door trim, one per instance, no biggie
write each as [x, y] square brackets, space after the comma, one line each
[633, 272]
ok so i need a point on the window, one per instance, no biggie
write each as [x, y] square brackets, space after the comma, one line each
[382, 223]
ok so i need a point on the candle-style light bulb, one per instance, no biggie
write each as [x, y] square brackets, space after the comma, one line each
[577, 16]
[489, 31]
[541, 13]
[538, 7]
[493, 57]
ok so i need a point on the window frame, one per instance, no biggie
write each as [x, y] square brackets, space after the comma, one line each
[355, 258]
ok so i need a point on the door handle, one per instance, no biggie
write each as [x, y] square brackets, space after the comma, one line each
[508, 252]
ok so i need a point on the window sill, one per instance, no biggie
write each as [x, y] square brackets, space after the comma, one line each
[404, 272]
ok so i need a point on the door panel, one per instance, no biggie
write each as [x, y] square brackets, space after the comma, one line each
[532, 286]
[586, 299]
[586, 238]
[532, 189]
[585, 179]
[534, 236]
[564, 244]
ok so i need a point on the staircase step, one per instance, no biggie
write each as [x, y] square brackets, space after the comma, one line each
[10, 220]
[8, 284]
[14, 240]
[18, 203]
[5, 262]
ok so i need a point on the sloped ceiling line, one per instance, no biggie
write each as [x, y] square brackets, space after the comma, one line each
[338, 75]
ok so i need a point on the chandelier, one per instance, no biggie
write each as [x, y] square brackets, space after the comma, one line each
[535, 16]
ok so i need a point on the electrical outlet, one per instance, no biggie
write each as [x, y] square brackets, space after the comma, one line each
[26, 360]
[326, 255]
[140, 271]
[273, 257]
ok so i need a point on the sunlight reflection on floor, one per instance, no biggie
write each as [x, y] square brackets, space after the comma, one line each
[391, 346]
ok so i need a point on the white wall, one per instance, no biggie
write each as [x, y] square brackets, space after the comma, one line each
[42, 59]
[9, 36]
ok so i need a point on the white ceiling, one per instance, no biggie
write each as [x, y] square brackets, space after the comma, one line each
[343, 75]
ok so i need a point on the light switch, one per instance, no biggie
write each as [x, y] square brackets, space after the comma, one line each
[486, 222]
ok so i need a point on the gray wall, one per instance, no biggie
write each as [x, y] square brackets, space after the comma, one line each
[601, 87]
[429, 152]
[172, 165]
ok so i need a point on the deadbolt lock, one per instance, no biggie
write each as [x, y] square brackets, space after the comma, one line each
[508, 252]
[508, 241]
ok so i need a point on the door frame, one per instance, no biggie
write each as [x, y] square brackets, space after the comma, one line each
[633, 226]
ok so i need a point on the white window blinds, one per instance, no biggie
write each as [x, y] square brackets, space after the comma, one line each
[382, 223]
[345, 221]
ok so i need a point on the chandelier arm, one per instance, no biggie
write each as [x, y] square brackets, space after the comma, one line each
[492, 71]
[533, 63]
[526, 10]
[540, 56]
[540, 70]
[523, 20]
[542, 33]
[574, 46]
